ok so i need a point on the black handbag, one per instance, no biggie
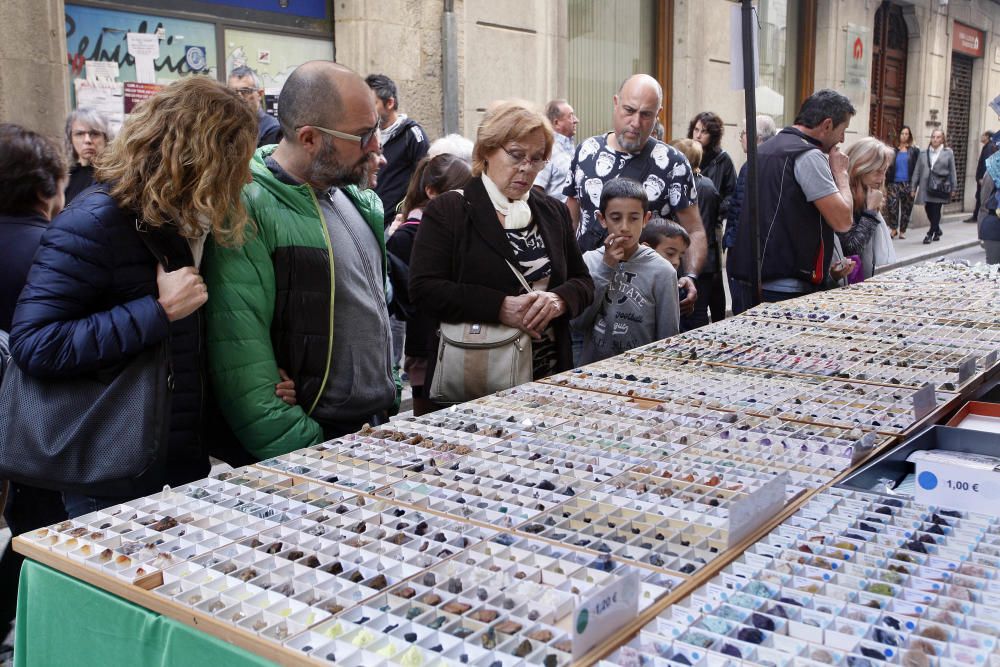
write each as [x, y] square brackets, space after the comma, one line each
[938, 186]
[103, 434]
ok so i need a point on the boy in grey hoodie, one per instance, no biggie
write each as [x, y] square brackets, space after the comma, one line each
[635, 289]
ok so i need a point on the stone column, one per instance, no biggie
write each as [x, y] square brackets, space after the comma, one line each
[33, 68]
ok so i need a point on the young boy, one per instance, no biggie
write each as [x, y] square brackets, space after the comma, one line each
[668, 239]
[635, 289]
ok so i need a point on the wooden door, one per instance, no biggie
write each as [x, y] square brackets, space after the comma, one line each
[889, 46]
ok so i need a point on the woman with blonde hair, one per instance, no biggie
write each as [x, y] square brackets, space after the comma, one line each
[869, 238]
[475, 247]
[116, 274]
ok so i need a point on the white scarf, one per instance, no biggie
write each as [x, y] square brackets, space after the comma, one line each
[516, 214]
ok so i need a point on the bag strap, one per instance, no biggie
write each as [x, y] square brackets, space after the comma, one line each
[645, 157]
[519, 276]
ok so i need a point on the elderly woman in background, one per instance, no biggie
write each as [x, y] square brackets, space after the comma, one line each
[97, 295]
[933, 181]
[87, 135]
[470, 243]
[869, 238]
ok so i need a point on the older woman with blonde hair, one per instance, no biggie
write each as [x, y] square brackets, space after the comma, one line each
[869, 238]
[475, 247]
[116, 274]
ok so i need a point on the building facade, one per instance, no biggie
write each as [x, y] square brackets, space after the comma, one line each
[924, 63]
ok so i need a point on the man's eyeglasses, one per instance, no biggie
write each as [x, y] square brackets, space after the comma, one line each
[520, 158]
[363, 139]
[245, 92]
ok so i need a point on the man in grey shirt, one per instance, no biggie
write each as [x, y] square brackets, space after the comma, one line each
[804, 197]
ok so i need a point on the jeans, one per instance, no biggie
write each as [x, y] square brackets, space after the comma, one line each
[398, 328]
[740, 293]
[992, 252]
[707, 285]
[934, 215]
[77, 504]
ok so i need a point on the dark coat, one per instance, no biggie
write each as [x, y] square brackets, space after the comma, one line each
[421, 340]
[718, 167]
[90, 303]
[19, 238]
[80, 178]
[402, 153]
[457, 269]
[709, 202]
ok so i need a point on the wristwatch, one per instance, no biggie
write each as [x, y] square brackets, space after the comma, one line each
[692, 276]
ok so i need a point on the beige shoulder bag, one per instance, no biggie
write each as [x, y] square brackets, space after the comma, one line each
[476, 359]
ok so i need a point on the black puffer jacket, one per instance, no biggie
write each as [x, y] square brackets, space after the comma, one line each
[91, 302]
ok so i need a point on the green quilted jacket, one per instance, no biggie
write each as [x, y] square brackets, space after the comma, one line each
[271, 305]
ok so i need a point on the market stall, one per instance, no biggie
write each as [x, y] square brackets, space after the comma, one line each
[563, 521]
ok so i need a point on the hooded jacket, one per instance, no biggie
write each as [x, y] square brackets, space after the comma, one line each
[271, 305]
[634, 304]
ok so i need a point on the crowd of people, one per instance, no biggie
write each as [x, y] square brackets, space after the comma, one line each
[298, 268]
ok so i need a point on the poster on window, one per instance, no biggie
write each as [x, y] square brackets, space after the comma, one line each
[273, 57]
[96, 34]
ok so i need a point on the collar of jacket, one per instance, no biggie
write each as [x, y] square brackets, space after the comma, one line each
[302, 198]
[487, 225]
[30, 219]
[791, 129]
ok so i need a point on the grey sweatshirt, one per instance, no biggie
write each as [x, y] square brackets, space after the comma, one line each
[633, 305]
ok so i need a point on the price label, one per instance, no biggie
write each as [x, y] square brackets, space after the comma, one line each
[967, 369]
[749, 514]
[957, 480]
[605, 611]
[924, 401]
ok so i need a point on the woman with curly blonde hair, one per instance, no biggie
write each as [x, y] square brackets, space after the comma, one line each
[117, 273]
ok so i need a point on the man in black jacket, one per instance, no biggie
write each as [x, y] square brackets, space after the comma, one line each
[403, 141]
[804, 197]
[247, 83]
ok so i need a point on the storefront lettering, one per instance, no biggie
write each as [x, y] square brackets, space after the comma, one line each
[119, 54]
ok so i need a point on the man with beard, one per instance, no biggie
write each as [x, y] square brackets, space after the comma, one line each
[630, 152]
[304, 300]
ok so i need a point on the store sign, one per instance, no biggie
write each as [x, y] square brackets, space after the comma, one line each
[858, 63]
[957, 480]
[604, 612]
[968, 40]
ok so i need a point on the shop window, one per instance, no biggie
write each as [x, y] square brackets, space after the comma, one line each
[608, 42]
[778, 47]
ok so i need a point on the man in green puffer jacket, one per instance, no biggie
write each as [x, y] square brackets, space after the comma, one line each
[306, 293]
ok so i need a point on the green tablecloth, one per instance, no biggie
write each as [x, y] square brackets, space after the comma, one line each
[65, 621]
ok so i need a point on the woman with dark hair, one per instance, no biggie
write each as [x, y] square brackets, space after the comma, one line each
[117, 275]
[897, 181]
[432, 177]
[471, 244]
[933, 181]
[88, 133]
[32, 180]
[706, 128]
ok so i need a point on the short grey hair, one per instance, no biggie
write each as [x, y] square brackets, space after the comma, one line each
[242, 71]
[453, 144]
[93, 120]
[553, 110]
[765, 128]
